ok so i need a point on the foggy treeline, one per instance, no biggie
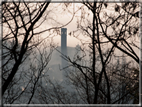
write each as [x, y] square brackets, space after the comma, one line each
[103, 70]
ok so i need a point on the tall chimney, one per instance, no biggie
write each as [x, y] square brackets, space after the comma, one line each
[64, 45]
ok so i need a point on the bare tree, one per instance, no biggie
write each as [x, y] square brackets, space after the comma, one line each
[26, 53]
[19, 22]
[117, 28]
[26, 82]
[92, 78]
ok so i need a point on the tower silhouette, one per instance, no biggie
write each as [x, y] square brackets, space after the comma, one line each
[64, 45]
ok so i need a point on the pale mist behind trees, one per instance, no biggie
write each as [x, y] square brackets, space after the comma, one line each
[100, 70]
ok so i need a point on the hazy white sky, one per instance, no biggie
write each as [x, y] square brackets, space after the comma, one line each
[63, 17]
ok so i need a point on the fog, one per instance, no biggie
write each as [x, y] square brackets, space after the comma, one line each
[55, 67]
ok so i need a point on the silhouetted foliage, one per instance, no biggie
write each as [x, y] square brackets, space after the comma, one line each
[96, 76]
[20, 21]
[94, 81]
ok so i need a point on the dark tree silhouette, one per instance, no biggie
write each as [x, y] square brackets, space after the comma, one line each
[26, 53]
[20, 22]
[95, 78]
[118, 28]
